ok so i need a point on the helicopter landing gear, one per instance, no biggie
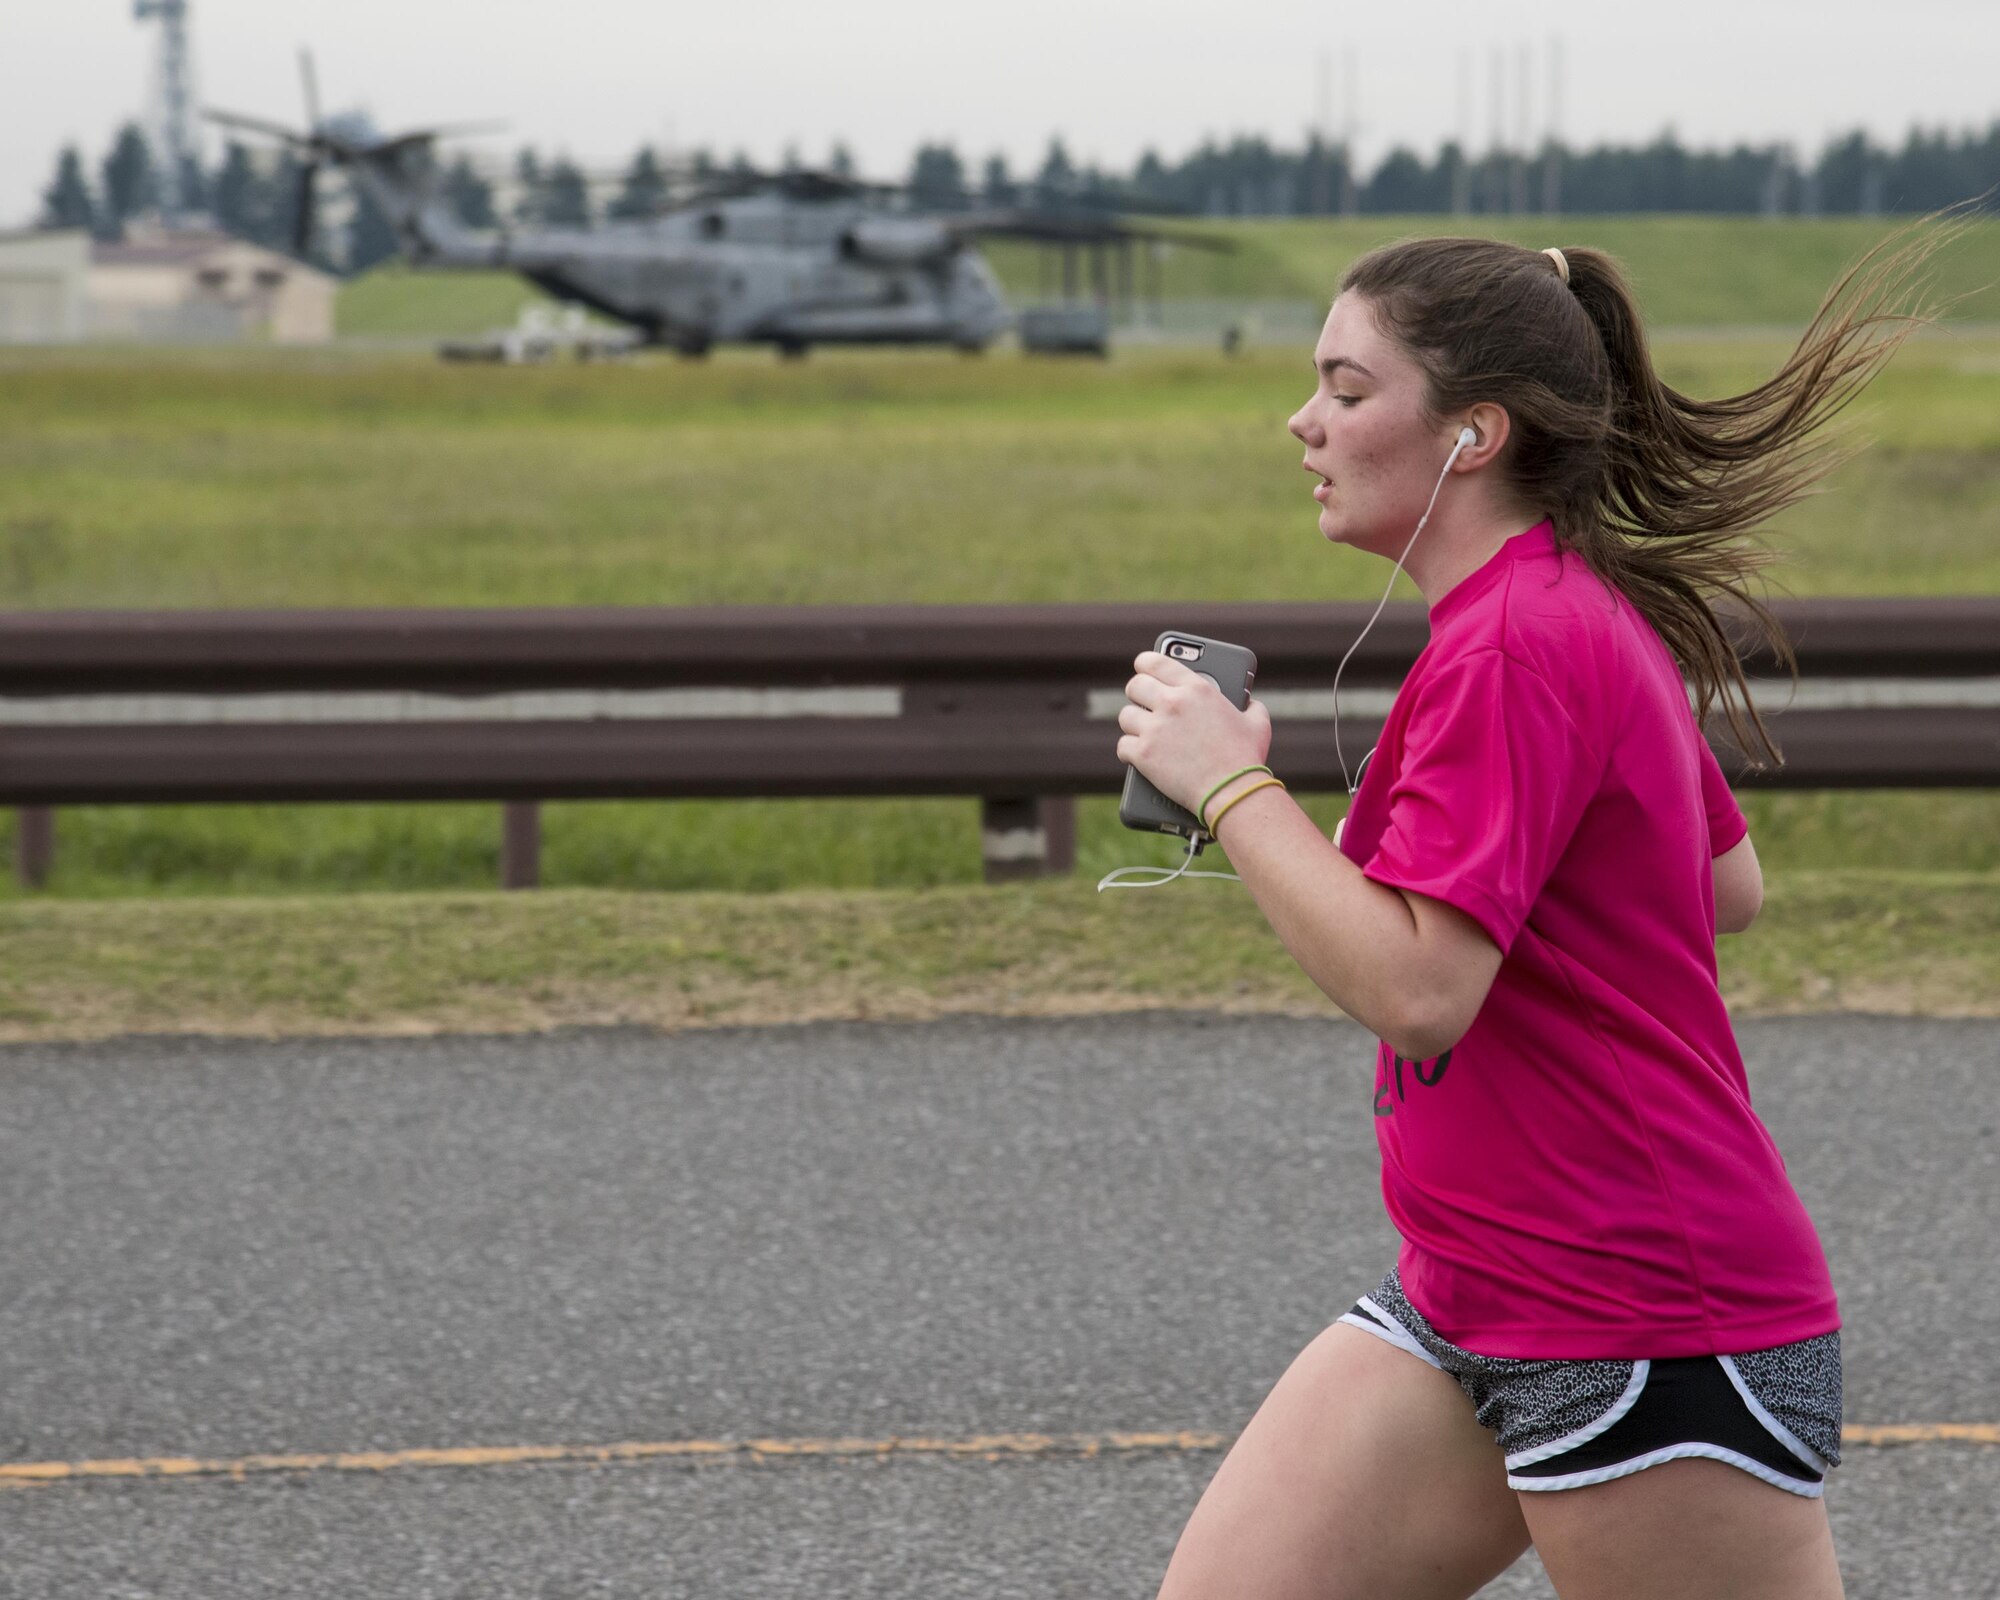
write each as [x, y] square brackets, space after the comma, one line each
[792, 349]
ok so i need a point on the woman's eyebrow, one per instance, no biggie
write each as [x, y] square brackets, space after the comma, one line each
[1333, 364]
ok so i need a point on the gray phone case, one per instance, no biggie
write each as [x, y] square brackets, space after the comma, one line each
[1233, 670]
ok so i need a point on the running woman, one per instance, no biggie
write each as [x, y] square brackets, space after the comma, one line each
[1610, 1329]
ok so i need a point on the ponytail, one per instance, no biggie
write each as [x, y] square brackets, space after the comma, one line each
[1654, 489]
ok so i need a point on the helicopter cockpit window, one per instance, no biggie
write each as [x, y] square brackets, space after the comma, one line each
[712, 225]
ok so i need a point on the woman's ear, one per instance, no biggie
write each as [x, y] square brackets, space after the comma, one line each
[1490, 425]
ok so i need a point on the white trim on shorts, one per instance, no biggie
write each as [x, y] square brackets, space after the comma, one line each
[1672, 1452]
[1389, 1331]
[1635, 1386]
[1776, 1429]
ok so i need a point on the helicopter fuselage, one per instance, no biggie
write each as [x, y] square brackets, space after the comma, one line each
[754, 268]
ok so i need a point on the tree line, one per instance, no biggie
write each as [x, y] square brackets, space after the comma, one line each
[257, 198]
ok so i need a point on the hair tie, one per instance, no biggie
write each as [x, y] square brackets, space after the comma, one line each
[1562, 264]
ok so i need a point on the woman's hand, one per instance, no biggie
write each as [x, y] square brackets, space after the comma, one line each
[1181, 734]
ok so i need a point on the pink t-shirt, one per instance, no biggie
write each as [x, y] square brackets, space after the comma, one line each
[1581, 1175]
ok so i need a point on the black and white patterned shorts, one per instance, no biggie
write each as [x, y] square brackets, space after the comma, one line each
[1563, 1424]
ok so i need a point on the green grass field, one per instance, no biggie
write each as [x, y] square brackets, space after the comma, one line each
[271, 479]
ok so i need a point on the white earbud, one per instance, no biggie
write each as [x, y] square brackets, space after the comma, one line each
[1466, 436]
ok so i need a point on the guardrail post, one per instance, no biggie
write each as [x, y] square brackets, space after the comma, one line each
[34, 845]
[1027, 836]
[521, 844]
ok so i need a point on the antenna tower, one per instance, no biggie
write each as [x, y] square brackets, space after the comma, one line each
[1552, 146]
[1461, 172]
[1350, 129]
[1322, 197]
[175, 135]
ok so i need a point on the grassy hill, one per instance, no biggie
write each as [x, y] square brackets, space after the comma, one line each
[1689, 271]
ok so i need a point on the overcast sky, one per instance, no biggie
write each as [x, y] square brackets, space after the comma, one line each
[594, 78]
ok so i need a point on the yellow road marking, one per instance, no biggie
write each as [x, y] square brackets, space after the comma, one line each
[991, 1446]
[1923, 1433]
[984, 1446]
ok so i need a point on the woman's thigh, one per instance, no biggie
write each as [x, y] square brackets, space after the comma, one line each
[1683, 1528]
[1363, 1474]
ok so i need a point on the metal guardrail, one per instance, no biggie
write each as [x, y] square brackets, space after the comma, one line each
[1014, 704]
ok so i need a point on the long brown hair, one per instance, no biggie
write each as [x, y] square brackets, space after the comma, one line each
[1654, 489]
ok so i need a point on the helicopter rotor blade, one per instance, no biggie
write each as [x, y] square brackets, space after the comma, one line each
[461, 130]
[1060, 227]
[454, 130]
[309, 76]
[270, 130]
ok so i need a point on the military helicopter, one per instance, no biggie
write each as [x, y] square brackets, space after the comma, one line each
[789, 259]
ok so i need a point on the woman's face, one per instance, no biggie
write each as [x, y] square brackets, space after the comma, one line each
[1374, 455]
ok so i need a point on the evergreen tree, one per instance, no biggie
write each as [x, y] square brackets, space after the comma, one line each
[996, 186]
[468, 196]
[1843, 173]
[1403, 183]
[1099, 191]
[1663, 173]
[130, 185]
[238, 201]
[1322, 177]
[1733, 181]
[1151, 181]
[840, 160]
[937, 180]
[566, 196]
[1055, 183]
[644, 191]
[67, 202]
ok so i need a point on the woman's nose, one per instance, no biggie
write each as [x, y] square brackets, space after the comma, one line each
[1302, 428]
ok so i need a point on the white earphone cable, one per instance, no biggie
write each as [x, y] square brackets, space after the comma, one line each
[1154, 877]
[1465, 437]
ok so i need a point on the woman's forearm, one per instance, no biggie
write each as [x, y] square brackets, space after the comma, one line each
[1355, 938]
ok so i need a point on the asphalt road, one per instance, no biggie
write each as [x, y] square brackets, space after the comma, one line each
[224, 1250]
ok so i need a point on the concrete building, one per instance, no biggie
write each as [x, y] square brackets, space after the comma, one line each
[161, 286]
[44, 286]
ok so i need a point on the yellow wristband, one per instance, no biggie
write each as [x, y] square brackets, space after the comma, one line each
[1238, 799]
[1201, 811]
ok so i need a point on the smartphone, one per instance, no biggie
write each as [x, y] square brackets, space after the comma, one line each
[1233, 669]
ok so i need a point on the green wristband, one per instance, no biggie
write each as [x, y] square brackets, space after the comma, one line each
[1201, 811]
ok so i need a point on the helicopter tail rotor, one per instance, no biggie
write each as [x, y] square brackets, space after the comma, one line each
[309, 80]
[305, 197]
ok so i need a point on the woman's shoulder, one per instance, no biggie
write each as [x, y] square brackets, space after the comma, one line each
[1572, 623]
[1551, 613]
[1582, 642]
